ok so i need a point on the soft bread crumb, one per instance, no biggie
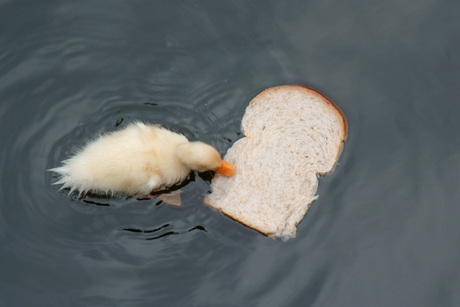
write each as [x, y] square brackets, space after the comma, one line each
[300, 134]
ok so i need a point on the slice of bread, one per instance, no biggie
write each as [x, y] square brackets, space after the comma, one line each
[293, 133]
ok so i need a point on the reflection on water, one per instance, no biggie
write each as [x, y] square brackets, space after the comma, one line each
[384, 230]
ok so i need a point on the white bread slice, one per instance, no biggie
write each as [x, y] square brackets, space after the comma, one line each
[293, 133]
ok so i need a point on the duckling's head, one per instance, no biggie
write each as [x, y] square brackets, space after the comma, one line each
[199, 156]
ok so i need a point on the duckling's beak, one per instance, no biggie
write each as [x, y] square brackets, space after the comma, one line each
[226, 168]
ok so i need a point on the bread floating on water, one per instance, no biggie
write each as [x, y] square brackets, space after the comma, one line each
[293, 134]
[136, 161]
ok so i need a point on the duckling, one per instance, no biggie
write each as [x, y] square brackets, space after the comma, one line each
[137, 160]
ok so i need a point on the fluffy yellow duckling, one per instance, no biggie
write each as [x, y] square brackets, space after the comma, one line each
[137, 160]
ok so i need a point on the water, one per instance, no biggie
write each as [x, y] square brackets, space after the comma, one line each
[385, 229]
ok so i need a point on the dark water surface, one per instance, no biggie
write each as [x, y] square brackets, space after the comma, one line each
[386, 228]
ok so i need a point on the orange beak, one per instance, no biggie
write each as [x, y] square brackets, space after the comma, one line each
[226, 168]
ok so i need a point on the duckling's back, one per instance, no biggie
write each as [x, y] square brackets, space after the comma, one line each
[135, 160]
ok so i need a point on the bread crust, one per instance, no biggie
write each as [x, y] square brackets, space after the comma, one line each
[287, 121]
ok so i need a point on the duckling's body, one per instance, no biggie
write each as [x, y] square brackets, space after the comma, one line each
[136, 160]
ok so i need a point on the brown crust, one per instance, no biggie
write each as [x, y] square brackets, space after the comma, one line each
[211, 205]
[241, 222]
